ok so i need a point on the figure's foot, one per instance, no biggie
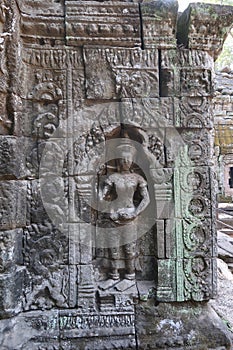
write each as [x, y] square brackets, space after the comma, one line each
[130, 276]
[124, 285]
[114, 275]
[108, 283]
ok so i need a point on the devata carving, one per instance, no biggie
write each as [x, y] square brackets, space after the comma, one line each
[128, 196]
[107, 232]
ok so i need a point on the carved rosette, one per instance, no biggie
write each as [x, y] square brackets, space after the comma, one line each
[197, 238]
[195, 233]
[194, 112]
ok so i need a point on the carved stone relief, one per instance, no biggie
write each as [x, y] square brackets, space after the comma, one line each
[106, 174]
[46, 258]
[13, 204]
[121, 73]
[200, 32]
[194, 112]
[159, 23]
[111, 24]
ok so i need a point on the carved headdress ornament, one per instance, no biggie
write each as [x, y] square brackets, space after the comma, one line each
[126, 145]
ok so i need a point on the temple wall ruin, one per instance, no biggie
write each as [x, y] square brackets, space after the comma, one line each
[223, 106]
[107, 176]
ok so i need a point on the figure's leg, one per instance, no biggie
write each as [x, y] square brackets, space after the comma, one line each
[130, 255]
[114, 254]
[129, 278]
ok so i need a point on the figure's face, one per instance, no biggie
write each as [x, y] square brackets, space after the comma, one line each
[126, 159]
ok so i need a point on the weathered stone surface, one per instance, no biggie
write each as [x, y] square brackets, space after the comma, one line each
[180, 326]
[12, 273]
[223, 303]
[48, 21]
[13, 204]
[34, 326]
[11, 250]
[159, 23]
[225, 247]
[111, 24]
[121, 73]
[223, 106]
[11, 286]
[178, 76]
[15, 153]
[205, 26]
[106, 178]
[5, 122]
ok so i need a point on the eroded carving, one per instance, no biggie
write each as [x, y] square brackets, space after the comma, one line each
[128, 196]
[128, 73]
[45, 255]
[106, 179]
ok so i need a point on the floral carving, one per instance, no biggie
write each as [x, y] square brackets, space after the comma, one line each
[197, 272]
[195, 239]
[136, 84]
[155, 146]
[45, 254]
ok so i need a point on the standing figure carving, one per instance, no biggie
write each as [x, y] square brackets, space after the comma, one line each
[127, 194]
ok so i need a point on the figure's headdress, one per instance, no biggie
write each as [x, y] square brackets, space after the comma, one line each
[125, 144]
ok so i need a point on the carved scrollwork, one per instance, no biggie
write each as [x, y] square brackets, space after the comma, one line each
[195, 121]
[197, 147]
[47, 97]
[34, 157]
[45, 255]
[197, 272]
[195, 180]
[197, 206]
[195, 238]
[45, 125]
[195, 151]
[197, 104]
[195, 112]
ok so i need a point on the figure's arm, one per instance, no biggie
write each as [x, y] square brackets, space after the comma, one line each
[106, 192]
[145, 198]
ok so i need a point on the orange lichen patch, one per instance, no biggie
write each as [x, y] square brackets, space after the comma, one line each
[224, 135]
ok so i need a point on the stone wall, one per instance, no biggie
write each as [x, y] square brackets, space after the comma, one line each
[107, 175]
[223, 114]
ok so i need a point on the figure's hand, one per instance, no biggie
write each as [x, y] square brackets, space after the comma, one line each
[127, 216]
[122, 215]
[106, 196]
[114, 216]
